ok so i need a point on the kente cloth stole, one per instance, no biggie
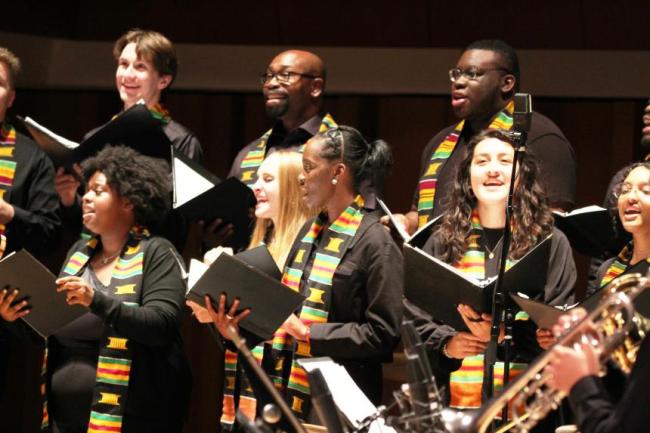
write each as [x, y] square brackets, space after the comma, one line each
[238, 394]
[254, 157]
[115, 354]
[158, 111]
[618, 266]
[332, 246]
[7, 161]
[429, 181]
[466, 383]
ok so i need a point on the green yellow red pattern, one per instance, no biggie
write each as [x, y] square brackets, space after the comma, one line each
[159, 112]
[235, 379]
[332, 246]
[466, 383]
[618, 266]
[429, 181]
[7, 162]
[115, 354]
[255, 156]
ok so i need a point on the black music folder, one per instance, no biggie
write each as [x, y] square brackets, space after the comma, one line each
[200, 195]
[60, 150]
[245, 276]
[545, 316]
[419, 238]
[438, 288]
[590, 229]
[135, 128]
[36, 284]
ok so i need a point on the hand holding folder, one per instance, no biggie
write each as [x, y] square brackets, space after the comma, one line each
[438, 287]
[200, 195]
[48, 310]
[254, 279]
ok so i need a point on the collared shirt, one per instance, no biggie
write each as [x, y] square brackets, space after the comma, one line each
[280, 139]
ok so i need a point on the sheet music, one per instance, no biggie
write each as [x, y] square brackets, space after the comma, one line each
[349, 399]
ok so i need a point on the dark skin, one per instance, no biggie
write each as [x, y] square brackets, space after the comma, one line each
[475, 101]
[300, 100]
[291, 103]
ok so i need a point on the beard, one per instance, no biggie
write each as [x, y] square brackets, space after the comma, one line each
[278, 110]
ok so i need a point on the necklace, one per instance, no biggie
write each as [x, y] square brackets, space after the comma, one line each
[491, 251]
[105, 260]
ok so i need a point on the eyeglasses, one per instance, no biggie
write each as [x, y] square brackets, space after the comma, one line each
[285, 77]
[627, 188]
[472, 74]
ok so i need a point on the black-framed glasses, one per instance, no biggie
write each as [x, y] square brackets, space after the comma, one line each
[472, 74]
[284, 77]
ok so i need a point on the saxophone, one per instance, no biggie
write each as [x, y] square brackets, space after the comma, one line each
[611, 328]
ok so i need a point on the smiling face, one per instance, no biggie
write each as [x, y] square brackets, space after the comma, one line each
[292, 98]
[490, 171]
[136, 78]
[267, 188]
[103, 208]
[482, 97]
[634, 201]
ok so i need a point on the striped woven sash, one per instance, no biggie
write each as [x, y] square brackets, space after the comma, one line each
[115, 354]
[466, 383]
[255, 156]
[7, 162]
[332, 246]
[428, 182]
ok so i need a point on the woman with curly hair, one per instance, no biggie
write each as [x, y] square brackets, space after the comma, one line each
[469, 238]
[576, 370]
[120, 367]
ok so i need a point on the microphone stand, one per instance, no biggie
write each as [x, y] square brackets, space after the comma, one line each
[501, 313]
[240, 343]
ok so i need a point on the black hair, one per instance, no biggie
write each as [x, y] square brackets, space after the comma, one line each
[144, 181]
[368, 161]
[506, 51]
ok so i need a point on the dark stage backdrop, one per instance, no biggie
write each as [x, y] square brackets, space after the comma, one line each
[604, 133]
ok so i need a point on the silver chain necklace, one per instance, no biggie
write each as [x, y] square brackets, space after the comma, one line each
[105, 260]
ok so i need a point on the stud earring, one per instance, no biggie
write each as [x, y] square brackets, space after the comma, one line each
[335, 181]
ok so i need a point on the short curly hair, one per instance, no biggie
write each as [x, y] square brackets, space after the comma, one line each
[144, 181]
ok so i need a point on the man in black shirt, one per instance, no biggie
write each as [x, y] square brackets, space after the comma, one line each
[28, 203]
[483, 83]
[293, 86]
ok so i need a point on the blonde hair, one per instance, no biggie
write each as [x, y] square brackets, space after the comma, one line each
[292, 211]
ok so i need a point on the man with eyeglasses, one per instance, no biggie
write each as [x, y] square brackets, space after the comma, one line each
[483, 83]
[293, 86]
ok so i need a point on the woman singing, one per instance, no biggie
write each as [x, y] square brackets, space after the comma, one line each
[469, 237]
[575, 370]
[348, 267]
[120, 367]
[279, 213]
